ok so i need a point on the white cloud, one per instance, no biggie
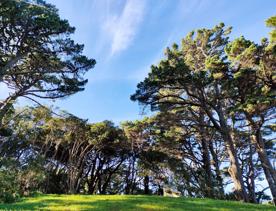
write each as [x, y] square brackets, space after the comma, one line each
[122, 28]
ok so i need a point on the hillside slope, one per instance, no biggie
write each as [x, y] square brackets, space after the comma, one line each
[130, 202]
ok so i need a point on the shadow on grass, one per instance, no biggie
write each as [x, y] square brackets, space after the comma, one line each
[122, 203]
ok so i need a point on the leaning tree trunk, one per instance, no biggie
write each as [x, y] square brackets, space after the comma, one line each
[235, 172]
[209, 186]
[269, 172]
[207, 167]
[219, 179]
[251, 176]
[72, 181]
[234, 169]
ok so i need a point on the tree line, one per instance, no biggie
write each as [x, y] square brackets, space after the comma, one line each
[213, 125]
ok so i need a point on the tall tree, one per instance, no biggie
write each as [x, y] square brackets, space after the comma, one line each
[38, 59]
[251, 87]
[190, 76]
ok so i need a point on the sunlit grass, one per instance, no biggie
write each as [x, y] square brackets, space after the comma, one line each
[130, 202]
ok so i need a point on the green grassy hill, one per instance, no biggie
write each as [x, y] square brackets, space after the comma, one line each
[130, 202]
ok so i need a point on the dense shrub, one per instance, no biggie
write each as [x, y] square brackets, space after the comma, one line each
[9, 185]
[19, 180]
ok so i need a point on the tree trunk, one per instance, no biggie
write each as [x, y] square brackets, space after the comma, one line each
[209, 186]
[217, 170]
[128, 180]
[257, 140]
[146, 184]
[234, 168]
[207, 167]
[251, 177]
[269, 172]
[100, 184]
[71, 183]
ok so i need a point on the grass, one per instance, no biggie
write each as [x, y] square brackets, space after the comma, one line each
[129, 202]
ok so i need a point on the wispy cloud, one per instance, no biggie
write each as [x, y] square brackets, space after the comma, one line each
[123, 27]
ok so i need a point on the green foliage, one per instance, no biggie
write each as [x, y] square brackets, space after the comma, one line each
[212, 82]
[38, 57]
[19, 180]
[251, 84]
[271, 22]
[32, 176]
[185, 71]
[9, 182]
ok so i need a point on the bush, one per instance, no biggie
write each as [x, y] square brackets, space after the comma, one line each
[31, 177]
[8, 197]
[9, 185]
[17, 180]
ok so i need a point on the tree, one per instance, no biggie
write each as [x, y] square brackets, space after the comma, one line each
[9, 182]
[38, 59]
[148, 155]
[251, 81]
[271, 22]
[192, 140]
[110, 150]
[191, 76]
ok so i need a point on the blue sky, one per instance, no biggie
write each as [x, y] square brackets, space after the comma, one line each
[127, 36]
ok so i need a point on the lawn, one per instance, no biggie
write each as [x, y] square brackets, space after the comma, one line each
[130, 202]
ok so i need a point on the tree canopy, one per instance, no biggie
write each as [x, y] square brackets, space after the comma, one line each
[38, 59]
